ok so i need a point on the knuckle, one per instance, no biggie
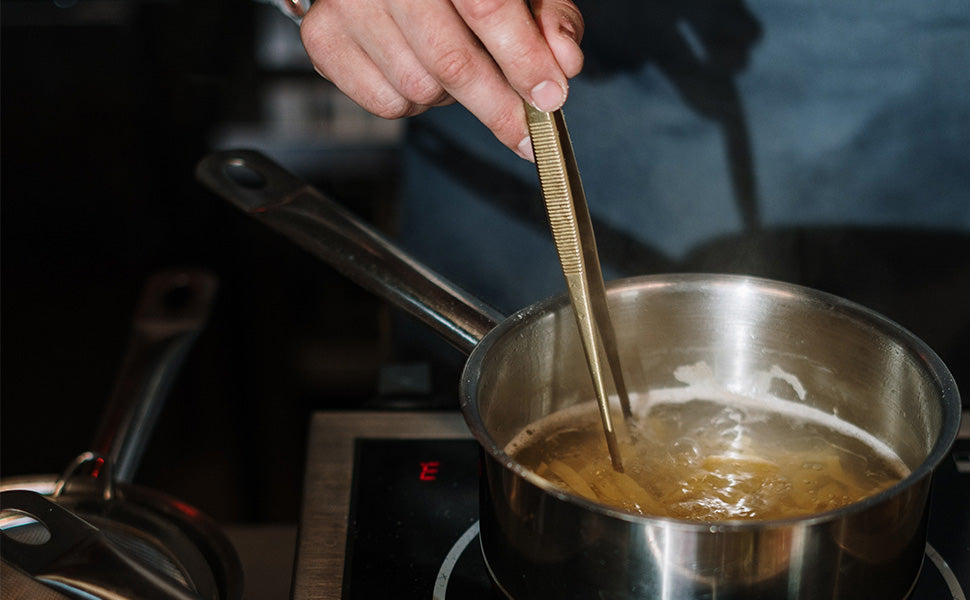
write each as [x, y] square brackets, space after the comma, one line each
[521, 59]
[390, 106]
[314, 27]
[508, 126]
[320, 44]
[422, 89]
[312, 35]
[454, 66]
[481, 9]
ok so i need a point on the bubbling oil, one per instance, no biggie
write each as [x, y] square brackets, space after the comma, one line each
[712, 456]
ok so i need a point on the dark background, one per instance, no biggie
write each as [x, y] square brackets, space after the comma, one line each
[106, 108]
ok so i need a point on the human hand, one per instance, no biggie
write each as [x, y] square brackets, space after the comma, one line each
[398, 58]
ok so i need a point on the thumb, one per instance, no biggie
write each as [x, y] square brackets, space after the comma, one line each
[562, 25]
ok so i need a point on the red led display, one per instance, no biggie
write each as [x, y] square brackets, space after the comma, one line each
[429, 470]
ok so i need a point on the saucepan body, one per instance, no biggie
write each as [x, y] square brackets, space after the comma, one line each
[844, 360]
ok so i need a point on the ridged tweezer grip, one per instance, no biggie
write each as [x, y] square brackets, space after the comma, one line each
[557, 192]
[572, 233]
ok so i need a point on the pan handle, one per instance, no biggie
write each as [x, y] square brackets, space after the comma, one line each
[264, 190]
[172, 312]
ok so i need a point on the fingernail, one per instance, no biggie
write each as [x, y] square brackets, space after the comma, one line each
[525, 149]
[548, 96]
[567, 30]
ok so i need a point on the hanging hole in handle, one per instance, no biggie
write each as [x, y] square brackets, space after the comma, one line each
[24, 528]
[244, 176]
[179, 296]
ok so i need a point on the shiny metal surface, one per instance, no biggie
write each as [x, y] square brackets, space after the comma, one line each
[109, 538]
[542, 543]
[270, 194]
[572, 233]
[170, 536]
[172, 312]
[80, 558]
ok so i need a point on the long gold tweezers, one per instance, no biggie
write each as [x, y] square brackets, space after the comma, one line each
[572, 233]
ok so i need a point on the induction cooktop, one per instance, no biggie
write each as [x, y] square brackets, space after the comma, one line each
[390, 510]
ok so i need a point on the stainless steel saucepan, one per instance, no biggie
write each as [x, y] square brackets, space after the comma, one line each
[540, 542]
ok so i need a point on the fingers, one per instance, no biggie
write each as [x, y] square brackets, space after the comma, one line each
[397, 59]
[562, 27]
[467, 69]
[371, 64]
[512, 38]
